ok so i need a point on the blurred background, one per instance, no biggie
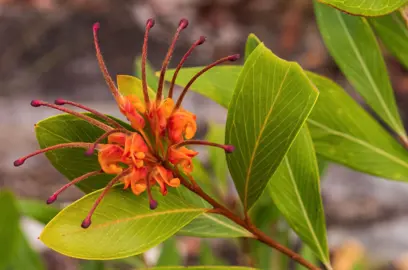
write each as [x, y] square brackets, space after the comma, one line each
[46, 52]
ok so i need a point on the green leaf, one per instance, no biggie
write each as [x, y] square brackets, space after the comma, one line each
[251, 43]
[37, 210]
[207, 224]
[151, 78]
[135, 261]
[207, 256]
[354, 47]
[122, 226]
[203, 268]
[169, 254]
[214, 226]
[322, 164]
[217, 83]
[307, 253]
[264, 215]
[344, 133]
[9, 227]
[217, 158]
[24, 257]
[72, 163]
[348, 139]
[366, 8]
[92, 265]
[393, 33]
[130, 85]
[201, 175]
[272, 100]
[295, 190]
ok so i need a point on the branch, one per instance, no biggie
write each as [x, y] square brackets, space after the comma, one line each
[258, 234]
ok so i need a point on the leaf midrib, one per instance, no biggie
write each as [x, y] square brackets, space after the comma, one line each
[368, 74]
[359, 141]
[259, 138]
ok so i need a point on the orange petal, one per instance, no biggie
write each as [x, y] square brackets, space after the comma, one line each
[181, 123]
[138, 188]
[109, 157]
[175, 182]
[119, 138]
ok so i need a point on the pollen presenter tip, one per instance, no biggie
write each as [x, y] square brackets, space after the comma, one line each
[89, 152]
[19, 162]
[96, 26]
[183, 23]
[86, 223]
[229, 148]
[36, 103]
[51, 199]
[150, 23]
[153, 204]
[201, 40]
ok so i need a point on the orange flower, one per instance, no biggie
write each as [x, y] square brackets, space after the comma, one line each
[136, 180]
[117, 138]
[158, 116]
[136, 149]
[109, 157]
[182, 156]
[164, 177]
[182, 124]
[133, 109]
[162, 129]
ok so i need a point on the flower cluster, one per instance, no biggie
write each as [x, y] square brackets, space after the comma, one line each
[162, 130]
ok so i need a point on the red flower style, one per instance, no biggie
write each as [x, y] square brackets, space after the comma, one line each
[162, 127]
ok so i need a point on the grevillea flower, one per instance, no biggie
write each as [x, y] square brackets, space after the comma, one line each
[163, 130]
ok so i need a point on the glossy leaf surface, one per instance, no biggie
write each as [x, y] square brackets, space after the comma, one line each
[348, 139]
[9, 227]
[169, 254]
[208, 224]
[130, 85]
[393, 33]
[72, 163]
[122, 226]
[366, 8]
[24, 257]
[344, 133]
[37, 210]
[217, 83]
[295, 190]
[271, 101]
[352, 43]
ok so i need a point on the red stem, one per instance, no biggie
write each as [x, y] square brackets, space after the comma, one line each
[180, 65]
[182, 25]
[37, 103]
[101, 63]
[95, 112]
[149, 25]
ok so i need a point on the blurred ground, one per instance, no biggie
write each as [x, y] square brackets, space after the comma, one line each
[46, 51]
